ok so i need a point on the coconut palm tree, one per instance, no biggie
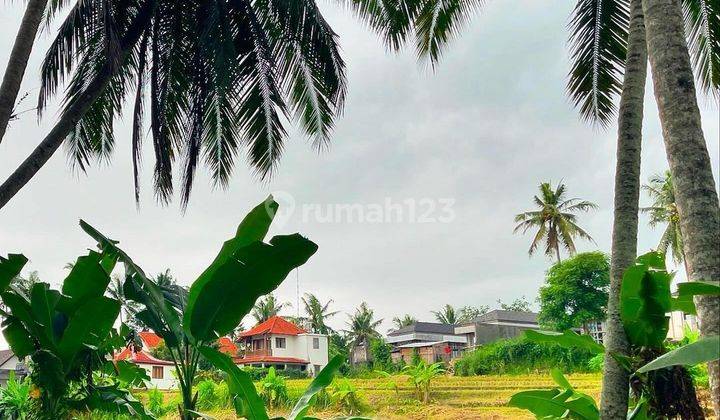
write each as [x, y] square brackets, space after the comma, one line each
[446, 315]
[220, 77]
[405, 321]
[555, 222]
[663, 211]
[15, 69]
[266, 308]
[129, 308]
[317, 313]
[362, 327]
[165, 279]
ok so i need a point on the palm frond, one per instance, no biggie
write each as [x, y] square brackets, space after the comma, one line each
[438, 22]
[702, 25]
[598, 46]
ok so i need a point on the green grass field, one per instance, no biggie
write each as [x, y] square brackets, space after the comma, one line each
[478, 397]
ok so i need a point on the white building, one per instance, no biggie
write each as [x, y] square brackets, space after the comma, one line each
[283, 345]
[161, 372]
[10, 363]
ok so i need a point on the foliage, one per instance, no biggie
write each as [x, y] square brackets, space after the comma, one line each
[362, 328]
[273, 389]
[15, 401]
[67, 335]
[421, 375]
[154, 403]
[346, 396]
[561, 402]
[267, 307]
[338, 347]
[221, 76]
[381, 354]
[468, 312]
[520, 304]
[663, 211]
[596, 363]
[521, 355]
[404, 321]
[706, 349]
[567, 339]
[446, 315]
[575, 292]
[554, 220]
[191, 321]
[317, 313]
[206, 396]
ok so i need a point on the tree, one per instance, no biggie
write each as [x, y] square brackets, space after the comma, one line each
[405, 321]
[446, 315]
[520, 304]
[692, 176]
[15, 69]
[381, 354]
[663, 210]
[362, 328]
[468, 313]
[554, 220]
[575, 292]
[221, 75]
[317, 313]
[128, 307]
[266, 308]
[165, 279]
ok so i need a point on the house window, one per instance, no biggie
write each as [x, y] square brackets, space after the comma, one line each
[157, 372]
[280, 342]
[316, 343]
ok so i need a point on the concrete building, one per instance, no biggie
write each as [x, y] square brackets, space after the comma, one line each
[496, 325]
[431, 341]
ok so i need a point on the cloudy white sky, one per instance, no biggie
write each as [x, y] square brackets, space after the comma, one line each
[484, 129]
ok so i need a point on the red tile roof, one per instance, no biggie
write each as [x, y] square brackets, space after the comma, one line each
[269, 359]
[149, 339]
[274, 325]
[140, 357]
[225, 345]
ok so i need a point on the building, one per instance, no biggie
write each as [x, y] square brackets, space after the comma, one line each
[283, 345]
[10, 363]
[431, 341]
[161, 372]
[496, 325]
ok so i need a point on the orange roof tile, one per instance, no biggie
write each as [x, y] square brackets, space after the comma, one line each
[149, 339]
[269, 359]
[225, 345]
[140, 357]
[274, 325]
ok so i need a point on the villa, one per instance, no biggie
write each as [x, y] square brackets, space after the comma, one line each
[431, 341]
[496, 325]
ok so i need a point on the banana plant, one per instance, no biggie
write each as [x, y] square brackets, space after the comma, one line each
[645, 300]
[189, 321]
[67, 335]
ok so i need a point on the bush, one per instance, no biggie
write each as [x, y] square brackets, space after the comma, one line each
[595, 364]
[273, 389]
[345, 395]
[15, 402]
[520, 355]
[206, 395]
[155, 403]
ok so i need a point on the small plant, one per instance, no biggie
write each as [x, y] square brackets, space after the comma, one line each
[15, 402]
[273, 389]
[345, 395]
[206, 395]
[155, 402]
[391, 383]
[421, 374]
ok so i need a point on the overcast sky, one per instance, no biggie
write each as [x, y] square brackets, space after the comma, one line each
[484, 130]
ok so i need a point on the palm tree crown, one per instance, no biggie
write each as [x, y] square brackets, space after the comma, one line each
[405, 321]
[362, 326]
[663, 210]
[447, 315]
[221, 76]
[267, 308]
[554, 220]
[317, 313]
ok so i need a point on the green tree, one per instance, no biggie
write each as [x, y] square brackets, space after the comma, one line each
[663, 211]
[468, 313]
[405, 321]
[520, 304]
[575, 292]
[267, 307]
[220, 76]
[554, 220]
[446, 315]
[362, 328]
[317, 313]
[129, 308]
[381, 354]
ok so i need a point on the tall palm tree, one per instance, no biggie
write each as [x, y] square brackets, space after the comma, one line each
[165, 279]
[129, 307]
[404, 321]
[17, 64]
[362, 327]
[554, 220]
[446, 315]
[317, 313]
[222, 75]
[663, 211]
[267, 307]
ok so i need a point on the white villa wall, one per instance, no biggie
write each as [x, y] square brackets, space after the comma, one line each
[317, 356]
[10, 364]
[167, 382]
[291, 346]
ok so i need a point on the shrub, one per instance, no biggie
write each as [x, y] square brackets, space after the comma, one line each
[155, 402]
[345, 395]
[293, 373]
[15, 402]
[421, 374]
[520, 355]
[273, 389]
[595, 364]
[206, 395]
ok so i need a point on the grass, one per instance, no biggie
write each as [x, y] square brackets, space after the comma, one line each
[473, 397]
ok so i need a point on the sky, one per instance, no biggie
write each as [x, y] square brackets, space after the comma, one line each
[465, 146]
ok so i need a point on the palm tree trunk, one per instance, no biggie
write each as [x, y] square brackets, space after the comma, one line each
[17, 63]
[687, 153]
[614, 397]
[71, 115]
[557, 253]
